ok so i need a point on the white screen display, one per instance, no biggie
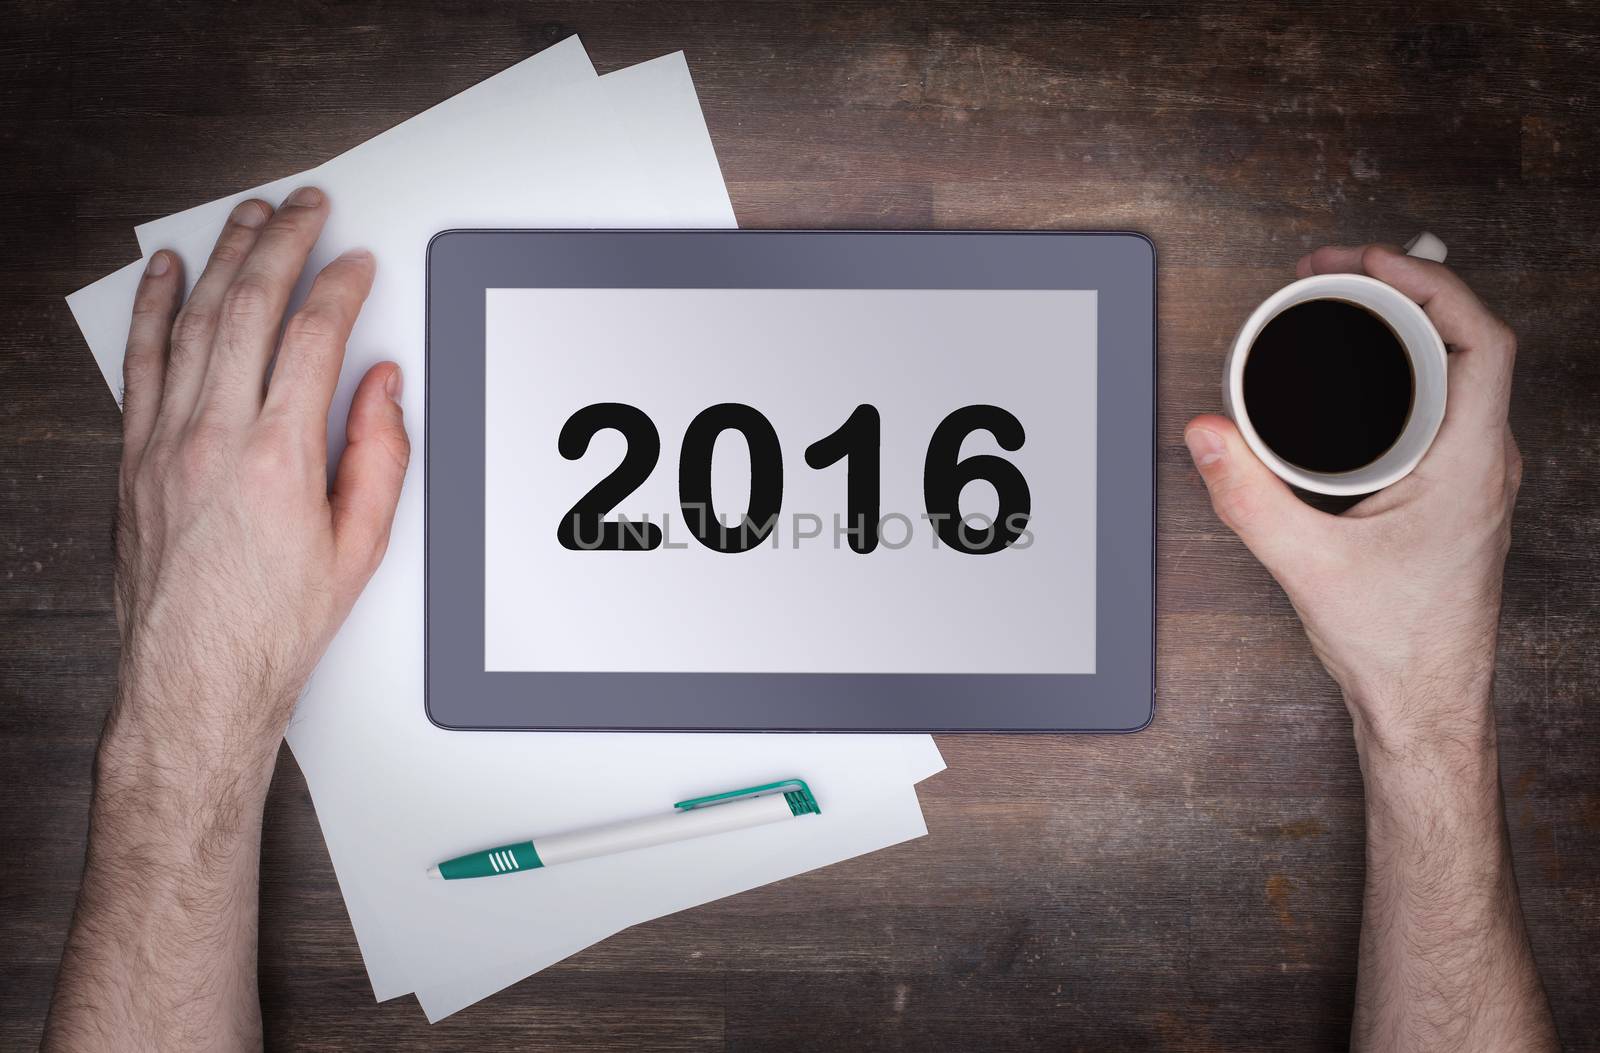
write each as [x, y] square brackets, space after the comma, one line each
[801, 599]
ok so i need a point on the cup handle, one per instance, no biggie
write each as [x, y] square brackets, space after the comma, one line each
[1426, 247]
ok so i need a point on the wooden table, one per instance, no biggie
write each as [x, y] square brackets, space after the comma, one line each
[1196, 886]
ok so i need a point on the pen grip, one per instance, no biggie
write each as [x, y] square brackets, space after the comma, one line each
[505, 859]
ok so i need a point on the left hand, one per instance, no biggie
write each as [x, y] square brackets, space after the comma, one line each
[235, 562]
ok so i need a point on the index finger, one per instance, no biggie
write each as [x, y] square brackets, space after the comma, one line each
[1484, 346]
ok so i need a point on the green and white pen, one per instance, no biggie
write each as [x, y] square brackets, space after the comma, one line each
[700, 817]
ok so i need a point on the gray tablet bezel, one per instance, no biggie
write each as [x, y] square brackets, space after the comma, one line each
[463, 264]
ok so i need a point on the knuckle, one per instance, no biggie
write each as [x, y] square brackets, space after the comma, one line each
[269, 460]
[397, 444]
[1374, 256]
[140, 368]
[281, 452]
[248, 299]
[232, 248]
[192, 329]
[314, 324]
[146, 306]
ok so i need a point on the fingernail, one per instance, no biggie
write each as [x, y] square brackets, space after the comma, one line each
[356, 256]
[249, 214]
[1206, 447]
[160, 263]
[394, 385]
[305, 197]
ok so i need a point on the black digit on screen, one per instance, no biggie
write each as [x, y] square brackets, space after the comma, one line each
[943, 476]
[766, 477]
[585, 527]
[857, 441]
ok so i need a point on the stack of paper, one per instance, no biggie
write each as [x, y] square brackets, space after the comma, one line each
[547, 143]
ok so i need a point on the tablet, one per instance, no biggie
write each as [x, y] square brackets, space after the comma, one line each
[790, 480]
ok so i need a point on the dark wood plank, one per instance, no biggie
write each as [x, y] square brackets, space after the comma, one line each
[1193, 887]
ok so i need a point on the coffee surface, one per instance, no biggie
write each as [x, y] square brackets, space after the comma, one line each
[1328, 386]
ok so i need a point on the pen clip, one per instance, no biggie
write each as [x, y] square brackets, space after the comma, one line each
[801, 801]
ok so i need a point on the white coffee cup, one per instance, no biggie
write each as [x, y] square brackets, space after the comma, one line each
[1417, 336]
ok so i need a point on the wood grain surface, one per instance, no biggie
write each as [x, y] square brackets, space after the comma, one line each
[1193, 887]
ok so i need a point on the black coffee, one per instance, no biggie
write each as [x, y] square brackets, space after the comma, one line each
[1328, 386]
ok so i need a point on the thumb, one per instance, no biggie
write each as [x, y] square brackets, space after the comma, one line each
[1254, 503]
[366, 487]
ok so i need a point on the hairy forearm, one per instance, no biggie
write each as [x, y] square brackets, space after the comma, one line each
[1445, 960]
[237, 561]
[162, 952]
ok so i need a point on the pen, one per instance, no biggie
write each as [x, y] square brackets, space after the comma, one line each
[698, 817]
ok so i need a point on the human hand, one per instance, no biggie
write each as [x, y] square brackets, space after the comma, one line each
[1400, 595]
[235, 563]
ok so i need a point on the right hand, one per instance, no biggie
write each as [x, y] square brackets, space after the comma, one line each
[1400, 595]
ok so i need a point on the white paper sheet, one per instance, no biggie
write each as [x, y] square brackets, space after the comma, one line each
[895, 814]
[103, 310]
[393, 793]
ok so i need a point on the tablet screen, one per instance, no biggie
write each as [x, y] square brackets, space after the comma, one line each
[774, 480]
